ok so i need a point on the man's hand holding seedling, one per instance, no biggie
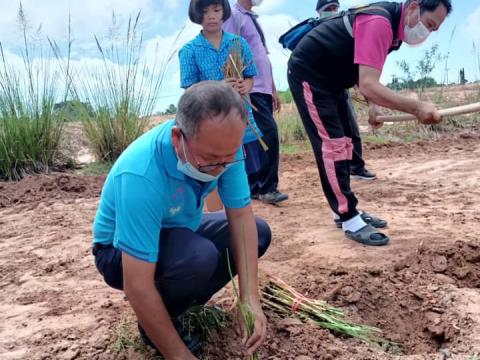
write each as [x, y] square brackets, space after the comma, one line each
[252, 322]
[253, 342]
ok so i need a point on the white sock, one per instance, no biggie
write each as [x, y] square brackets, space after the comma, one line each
[354, 224]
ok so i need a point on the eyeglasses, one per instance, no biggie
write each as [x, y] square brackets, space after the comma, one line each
[211, 167]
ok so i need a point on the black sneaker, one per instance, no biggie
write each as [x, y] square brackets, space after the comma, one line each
[273, 197]
[362, 174]
[191, 340]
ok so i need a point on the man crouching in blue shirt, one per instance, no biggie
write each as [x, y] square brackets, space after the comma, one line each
[151, 239]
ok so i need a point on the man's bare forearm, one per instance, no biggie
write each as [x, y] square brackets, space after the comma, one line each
[154, 318]
[370, 87]
[244, 242]
[151, 312]
[383, 96]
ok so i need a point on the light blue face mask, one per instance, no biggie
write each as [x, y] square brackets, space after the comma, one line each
[191, 171]
[325, 14]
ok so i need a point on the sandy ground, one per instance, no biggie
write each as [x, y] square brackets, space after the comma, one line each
[422, 289]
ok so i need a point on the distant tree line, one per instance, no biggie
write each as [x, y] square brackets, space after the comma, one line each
[170, 110]
[418, 75]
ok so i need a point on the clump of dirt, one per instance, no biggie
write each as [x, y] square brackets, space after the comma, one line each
[410, 300]
[287, 339]
[48, 187]
[442, 144]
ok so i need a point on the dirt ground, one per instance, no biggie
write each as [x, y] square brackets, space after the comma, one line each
[423, 289]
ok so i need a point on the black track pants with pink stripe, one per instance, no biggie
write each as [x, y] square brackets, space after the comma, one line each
[326, 117]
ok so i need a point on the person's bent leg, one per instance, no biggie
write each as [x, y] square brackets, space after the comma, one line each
[267, 177]
[108, 261]
[320, 114]
[187, 261]
[215, 227]
[357, 163]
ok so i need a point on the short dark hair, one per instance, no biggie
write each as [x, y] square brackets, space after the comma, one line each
[195, 11]
[205, 100]
[432, 5]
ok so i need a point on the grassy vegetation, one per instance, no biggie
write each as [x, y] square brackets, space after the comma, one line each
[29, 132]
[122, 92]
[244, 309]
[113, 97]
[285, 96]
[291, 132]
[283, 300]
[296, 148]
[126, 338]
[97, 168]
[201, 319]
[205, 319]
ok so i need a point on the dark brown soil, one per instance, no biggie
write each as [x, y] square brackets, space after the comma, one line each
[35, 188]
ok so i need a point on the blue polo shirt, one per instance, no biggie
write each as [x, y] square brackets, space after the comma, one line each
[144, 192]
[200, 61]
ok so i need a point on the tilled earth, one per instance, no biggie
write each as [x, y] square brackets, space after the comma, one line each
[423, 290]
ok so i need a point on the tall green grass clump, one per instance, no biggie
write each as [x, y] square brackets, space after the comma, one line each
[290, 128]
[29, 87]
[285, 96]
[122, 90]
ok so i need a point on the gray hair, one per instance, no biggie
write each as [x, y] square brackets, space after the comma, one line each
[205, 100]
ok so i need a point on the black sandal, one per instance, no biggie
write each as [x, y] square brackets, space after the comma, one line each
[368, 235]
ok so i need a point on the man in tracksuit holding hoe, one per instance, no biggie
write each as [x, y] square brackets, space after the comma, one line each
[342, 51]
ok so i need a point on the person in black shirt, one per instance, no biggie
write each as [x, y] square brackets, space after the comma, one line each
[343, 51]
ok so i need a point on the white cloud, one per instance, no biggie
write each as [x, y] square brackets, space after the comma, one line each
[164, 51]
[171, 4]
[268, 5]
[274, 26]
[346, 4]
[88, 17]
[471, 26]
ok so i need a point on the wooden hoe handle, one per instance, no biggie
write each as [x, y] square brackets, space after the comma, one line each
[458, 110]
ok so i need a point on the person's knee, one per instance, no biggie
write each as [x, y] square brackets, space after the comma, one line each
[264, 236]
[339, 149]
[206, 260]
[199, 263]
[109, 264]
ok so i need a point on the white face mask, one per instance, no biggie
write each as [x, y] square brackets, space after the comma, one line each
[191, 171]
[256, 2]
[417, 34]
[325, 14]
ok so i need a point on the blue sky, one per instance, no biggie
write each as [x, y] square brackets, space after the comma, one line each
[162, 19]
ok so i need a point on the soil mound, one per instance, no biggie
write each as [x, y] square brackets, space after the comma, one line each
[48, 187]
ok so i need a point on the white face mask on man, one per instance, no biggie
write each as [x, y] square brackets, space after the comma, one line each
[191, 171]
[417, 34]
[325, 14]
[256, 2]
